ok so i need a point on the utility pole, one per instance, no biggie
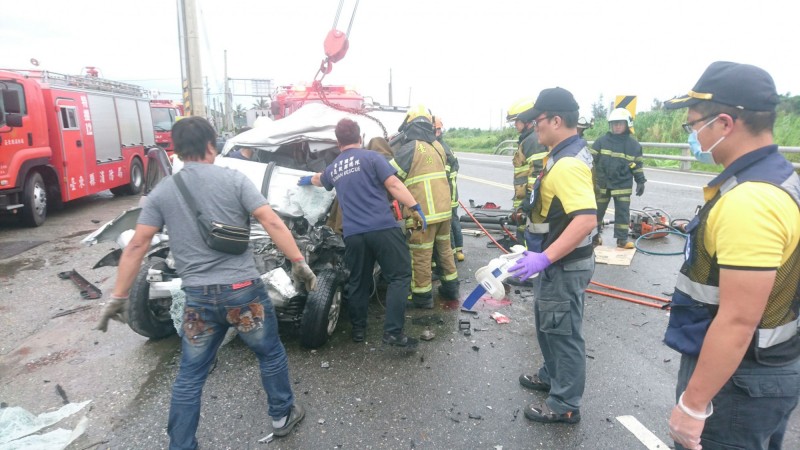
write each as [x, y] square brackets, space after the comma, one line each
[191, 71]
[230, 124]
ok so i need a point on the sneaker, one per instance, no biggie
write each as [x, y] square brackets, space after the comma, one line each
[460, 256]
[545, 415]
[533, 382]
[358, 334]
[296, 414]
[400, 340]
[624, 243]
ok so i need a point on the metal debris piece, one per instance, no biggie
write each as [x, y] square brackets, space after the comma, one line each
[71, 311]
[325, 364]
[464, 324]
[469, 311]
[88, 290]
[427, 335]
[475, 416]
[321, 421]
[267, 439]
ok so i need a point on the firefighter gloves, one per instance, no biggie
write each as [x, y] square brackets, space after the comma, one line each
[639, 189]
[419, 217]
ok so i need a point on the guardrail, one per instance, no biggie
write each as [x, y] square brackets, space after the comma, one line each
[508, 147]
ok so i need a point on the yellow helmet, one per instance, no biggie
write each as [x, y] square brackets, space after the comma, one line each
[418, 111]
[519, 107]
[415, 113]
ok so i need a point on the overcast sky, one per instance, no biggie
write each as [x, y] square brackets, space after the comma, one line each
[467, 60]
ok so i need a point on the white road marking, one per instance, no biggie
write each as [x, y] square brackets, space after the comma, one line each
[482, 181]
[645, 436]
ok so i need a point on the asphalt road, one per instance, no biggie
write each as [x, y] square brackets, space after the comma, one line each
[456, 391]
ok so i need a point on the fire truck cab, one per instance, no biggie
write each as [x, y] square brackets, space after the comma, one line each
[64, 137]
[165, 114]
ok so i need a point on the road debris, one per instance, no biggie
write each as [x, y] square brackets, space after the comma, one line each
[500, 318]
[71, 311]
[267, 439]
[427, 335]
[325, 364]
[88, 290]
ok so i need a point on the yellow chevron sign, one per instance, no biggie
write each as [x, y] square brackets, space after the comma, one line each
[628, 102]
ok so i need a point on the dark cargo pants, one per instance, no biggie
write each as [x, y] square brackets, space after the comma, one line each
[558, 308]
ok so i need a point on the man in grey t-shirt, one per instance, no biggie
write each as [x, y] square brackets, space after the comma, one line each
[222, 290]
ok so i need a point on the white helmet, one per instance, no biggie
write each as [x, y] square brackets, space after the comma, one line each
[620, 114]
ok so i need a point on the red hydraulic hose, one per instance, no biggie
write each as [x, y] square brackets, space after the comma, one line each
[627, 299]
[481, 227]
[640, 294]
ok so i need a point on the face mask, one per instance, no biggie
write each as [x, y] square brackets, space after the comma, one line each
[705, 157]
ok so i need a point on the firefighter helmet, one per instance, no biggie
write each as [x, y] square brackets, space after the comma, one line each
[584, 124]
[415, 113]
[620, 114]
[519, 107]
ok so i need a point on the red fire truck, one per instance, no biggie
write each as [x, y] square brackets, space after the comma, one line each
[63, 137]
[165, 114]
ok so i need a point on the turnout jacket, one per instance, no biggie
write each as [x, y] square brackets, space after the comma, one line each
[421, 164]
[756, 182]
[452, 172]
[617, 159]
[528, 164]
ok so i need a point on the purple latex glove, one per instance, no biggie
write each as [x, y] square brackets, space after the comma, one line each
[529, 265]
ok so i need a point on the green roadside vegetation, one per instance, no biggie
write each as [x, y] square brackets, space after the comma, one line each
[657, 125]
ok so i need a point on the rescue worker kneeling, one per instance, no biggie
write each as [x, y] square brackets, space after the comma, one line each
[420, 162]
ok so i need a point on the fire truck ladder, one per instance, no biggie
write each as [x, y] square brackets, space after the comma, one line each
[92, 83]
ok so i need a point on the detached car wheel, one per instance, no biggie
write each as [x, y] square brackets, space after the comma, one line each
[147, 316]
[323, 307]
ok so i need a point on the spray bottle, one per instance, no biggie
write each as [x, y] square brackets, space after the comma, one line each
[490, 277]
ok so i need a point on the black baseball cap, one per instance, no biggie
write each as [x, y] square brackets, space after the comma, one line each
[555, 99]
[742, 86]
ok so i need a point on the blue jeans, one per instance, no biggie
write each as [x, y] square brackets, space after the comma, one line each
[558, 308]
[752, 408]
[208, 313]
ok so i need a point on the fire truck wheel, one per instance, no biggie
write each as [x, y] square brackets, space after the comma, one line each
[136, 182]
[321, 313]
[34, 199]
[147, 316]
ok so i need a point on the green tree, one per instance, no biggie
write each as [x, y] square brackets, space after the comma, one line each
[599, 110]
[262, 103]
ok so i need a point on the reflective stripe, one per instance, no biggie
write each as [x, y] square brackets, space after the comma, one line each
[426, 177]
[617, 155]
[767, 337]
[432, 218]
[521, 169]
[424, 246]
[422, 289]
[536, 157]
[538, 228]
[400, 172]
[697, 291]
[450, 277]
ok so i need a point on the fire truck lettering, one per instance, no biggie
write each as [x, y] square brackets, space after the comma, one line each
[81, 184]
[110, 175]
[119, 172]
[91, 179]
[89, 128]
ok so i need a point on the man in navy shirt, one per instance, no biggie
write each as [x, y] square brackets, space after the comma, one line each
[362, 179]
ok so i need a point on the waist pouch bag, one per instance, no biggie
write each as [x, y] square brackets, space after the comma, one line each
[688, 323]
[218, 236]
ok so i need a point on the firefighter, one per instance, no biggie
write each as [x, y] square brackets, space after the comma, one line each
[617, 160]
[735, 305]
[584, 125]
[456, 238]
[421, 162]
[528, 157]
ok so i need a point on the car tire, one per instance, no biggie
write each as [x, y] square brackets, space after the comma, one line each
[322, 310]
[34, 200]
[136, 182]
[142, 317]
